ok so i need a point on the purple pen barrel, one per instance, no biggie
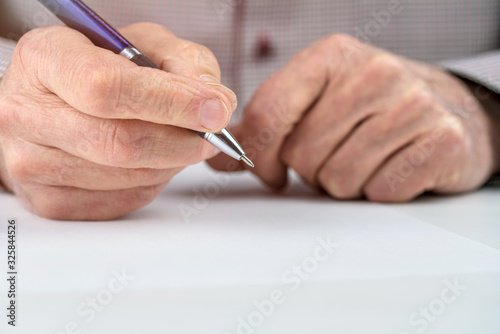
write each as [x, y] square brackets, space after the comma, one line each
[77, 15]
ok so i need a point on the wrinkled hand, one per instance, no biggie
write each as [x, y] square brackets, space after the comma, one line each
[87, 134]
[357, 121]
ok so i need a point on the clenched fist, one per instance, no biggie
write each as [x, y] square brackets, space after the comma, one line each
[358, 121]
[87, 134]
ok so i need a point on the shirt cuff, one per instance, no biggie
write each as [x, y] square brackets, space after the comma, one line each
[483, 69]
[6, 48]
[493, 182]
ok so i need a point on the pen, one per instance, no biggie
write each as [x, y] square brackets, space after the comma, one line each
[77, 15]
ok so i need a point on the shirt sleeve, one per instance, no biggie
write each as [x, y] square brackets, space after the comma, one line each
[483, 69]
[6, 48]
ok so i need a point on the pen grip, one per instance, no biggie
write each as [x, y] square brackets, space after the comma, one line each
[138, 58]
[200, 134]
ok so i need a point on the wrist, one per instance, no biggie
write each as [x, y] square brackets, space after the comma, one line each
[490, 102]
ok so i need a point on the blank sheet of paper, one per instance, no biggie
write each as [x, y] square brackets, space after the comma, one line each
[221, 254]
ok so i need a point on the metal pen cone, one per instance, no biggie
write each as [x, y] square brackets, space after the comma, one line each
[247, 161]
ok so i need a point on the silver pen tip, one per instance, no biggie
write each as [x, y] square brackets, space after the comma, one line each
[247, 161]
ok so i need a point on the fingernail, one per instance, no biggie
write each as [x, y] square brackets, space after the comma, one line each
[213, 114]
[213, 81]
[209, 79]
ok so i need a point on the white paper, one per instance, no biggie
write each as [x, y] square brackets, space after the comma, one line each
[200, 273]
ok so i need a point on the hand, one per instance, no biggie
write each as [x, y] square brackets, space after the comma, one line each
[86, 134]
[357, 121]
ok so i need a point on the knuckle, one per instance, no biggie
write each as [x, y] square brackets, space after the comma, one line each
[178, 104]
[383, 195]
[59, 205]
[24, 54]
[19, 169]
[374, 194]
[101, 87]
[31, 49]
[30, 45]
[189, 48]
[328, 180]
[325, 49]
[144, 195]
[207, 60]
[328, 183]
[351, 49]
[201, 55]
[338, 177]
[343, 194]
[389, 62]
[116, 204]
[382, 65]
[453, 137]
[205, 55]
[378, 190]
[336, 40]
[48, 210]
[420, 98]
[121, 145]
[55, 210]
[335, 185]
[25, 49]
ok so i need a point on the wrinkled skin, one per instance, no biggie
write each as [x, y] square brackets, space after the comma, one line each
[357, 121]
[86, 134]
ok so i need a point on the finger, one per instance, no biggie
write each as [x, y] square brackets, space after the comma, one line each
[172, 54]
[66, 203]
[115, 143]
[345, 172]
[341, 110]
[31, 163]
[100, 83]
[278, 105]
[417, 168]
[282, 101]
[178, 56]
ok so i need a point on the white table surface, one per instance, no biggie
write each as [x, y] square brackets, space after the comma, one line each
[206, 273]
[475, 215]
